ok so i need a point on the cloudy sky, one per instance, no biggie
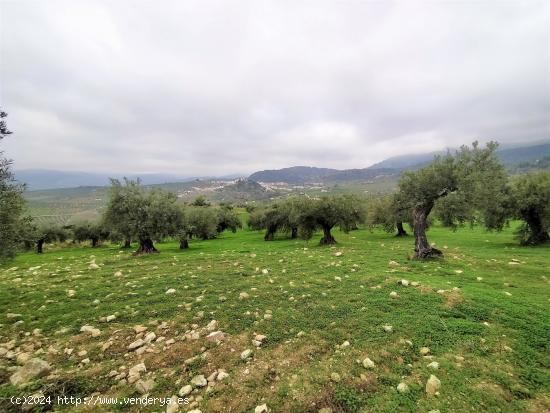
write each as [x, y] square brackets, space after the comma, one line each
[217, 87]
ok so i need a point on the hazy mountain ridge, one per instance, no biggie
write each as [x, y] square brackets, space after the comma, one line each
[37, 179]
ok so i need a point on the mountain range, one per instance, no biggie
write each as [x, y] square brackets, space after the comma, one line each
[37, 179]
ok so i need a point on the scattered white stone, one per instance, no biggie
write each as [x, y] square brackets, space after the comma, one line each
[243, 296]
[93, 266]
[216, 336]
[32, 369]
[338, 254]
[403, 282]
[110, 318]
[212, 326]
[402, 387]
[172, 406]
[424, 351]
[433, 385]
[136, 344]
[246, 354]
[387, 328]
[118, 274]
[335, 377]
[199, 381]
[433, 365]
[145, 386]
[94, 332]
[393, 294]
[261, 409]
[265, 271]
[479, 278]
[368, 363]
[222, 375]
[185, 390]
[171, 291]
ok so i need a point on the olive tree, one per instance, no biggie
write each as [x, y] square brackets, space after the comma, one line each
[45, 234]
[531, 204]
[201, 222]
[344, 211]
[473, 175]
[95, 232]
[145, 215]
[15, 225]
[386, 212]
[282, 216]
[227, 219]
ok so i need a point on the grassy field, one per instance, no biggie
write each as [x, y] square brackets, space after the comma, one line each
[483, 312]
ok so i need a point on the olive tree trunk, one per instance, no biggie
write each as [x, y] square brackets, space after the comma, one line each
[400, 230]
[184, 244]
[294, 233]
[146, 246]
[537, 233]
[422, 248]
[95, 242]
[270, 233]
[39, 246]
[327, 239]
[127, 243]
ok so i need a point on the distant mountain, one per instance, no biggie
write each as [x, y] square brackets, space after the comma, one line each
[511, 157]
[293, 175]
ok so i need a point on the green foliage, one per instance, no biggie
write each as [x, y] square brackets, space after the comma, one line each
[531, 203]
[385, 212]
[15, 226]
[200, 201]
[201, 222]
[135, 212]
[344, 211]
[95, 232]
[227, 220]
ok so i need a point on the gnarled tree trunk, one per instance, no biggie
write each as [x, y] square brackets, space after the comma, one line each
[127, 243]
[95, 242]
[294, 233]
[422, 248]
[327, 239]
[270, 233]
[400, 230]
[146, 246]
[184, 244]
[39, 246]
[537, 233]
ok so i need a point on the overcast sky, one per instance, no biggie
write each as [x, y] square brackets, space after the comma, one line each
[217, 87]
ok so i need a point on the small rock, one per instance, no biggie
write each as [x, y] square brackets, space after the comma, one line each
[424, 351]
[94, 332]
[432, 385]
[387, 328]
[145, 386]
[393, 294]
[33, 369]
[185, 390]
[243, 296]
[222, 375]
[212, 326]
[171, 291]
[246, 354]
[173, 405]
[368, 363]
[199, 381]
[261, 409]
[215, 336]
[433, 365]
[136, 344]
[335, 377]
[402, 387]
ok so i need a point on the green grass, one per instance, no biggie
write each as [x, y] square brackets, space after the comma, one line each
[291, 372]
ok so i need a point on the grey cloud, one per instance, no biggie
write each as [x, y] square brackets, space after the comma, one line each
[216, 87]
